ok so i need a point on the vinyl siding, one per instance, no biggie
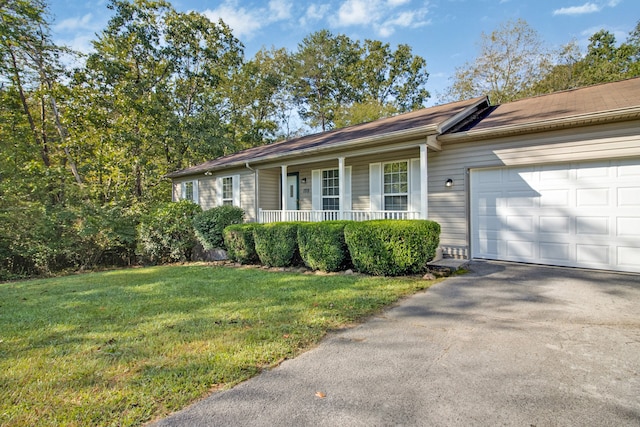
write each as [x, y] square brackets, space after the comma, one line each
[269, 189]
[448, 206]
[207, 192]
[248, 196]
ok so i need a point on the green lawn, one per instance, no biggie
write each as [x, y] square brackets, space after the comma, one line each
[125, 347]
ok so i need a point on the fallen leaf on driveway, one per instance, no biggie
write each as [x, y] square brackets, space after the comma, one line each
[320, 394]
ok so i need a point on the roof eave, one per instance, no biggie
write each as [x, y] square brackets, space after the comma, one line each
[402, 135]
[612, 116]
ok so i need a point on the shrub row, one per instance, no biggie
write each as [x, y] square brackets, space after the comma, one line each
[381, 247]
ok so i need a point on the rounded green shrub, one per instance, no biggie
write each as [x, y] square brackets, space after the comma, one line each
[166, 234]
[392, 247]
[277, 243]
[240, 244]
[209, 225]
[322, 245]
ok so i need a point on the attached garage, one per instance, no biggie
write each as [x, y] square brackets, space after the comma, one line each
[583, 214]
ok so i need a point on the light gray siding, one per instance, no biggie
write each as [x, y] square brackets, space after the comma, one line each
[248, 196]
[269, 189]
[449, 206]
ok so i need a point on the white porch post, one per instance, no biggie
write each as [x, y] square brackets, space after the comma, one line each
[283, 192]
[341, 186]
[424, 179]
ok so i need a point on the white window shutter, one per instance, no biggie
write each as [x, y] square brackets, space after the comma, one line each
[183, 191]
[414, 185]
[218, 191]
[347, 188]
[236, 190]
[316, 190]
[196, 198]
[375, 186]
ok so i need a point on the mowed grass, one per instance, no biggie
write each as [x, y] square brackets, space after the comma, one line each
[129, 346]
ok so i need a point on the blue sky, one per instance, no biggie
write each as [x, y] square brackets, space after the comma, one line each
[444, 32]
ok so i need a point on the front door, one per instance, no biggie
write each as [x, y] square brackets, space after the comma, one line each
[292, 192]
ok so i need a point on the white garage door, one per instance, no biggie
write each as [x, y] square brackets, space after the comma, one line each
[578, 215]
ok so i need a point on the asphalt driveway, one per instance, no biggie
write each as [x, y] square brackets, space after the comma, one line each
[506, 344]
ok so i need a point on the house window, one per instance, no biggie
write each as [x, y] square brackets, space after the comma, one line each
[396, 186]
[190, 191]
[227, 191]
[330, 190]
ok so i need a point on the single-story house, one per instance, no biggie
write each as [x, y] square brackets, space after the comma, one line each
[552, 179]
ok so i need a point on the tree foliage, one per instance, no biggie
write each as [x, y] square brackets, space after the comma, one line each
[336, 81]
[511, 60]
[513, 63]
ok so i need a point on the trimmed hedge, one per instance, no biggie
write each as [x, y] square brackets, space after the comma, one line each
[209, 225]
[277, 243]
[322, 245]
[240, 243]
[392, 247]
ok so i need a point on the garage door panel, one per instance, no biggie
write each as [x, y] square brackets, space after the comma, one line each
[592, 225]
[489, 223]
[551, 252]
[596, 170]
[628, 168]
[555, 225]
[629, 196]
[592, 254]
[520, 223]
[520, 250]
[587, 197]
[583, 214]
[520, 199]
[628, 227]
[628, 257]
[555, 198]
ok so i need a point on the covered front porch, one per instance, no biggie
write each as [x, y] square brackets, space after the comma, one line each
[361, 186]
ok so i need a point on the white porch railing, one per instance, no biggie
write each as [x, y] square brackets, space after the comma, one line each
[266, 216]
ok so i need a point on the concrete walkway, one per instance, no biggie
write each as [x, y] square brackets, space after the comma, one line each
[506, 344]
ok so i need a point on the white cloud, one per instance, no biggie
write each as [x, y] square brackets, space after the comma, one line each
[314, 13]
[578, 10]
[384, 16]
[75, 24]
[357, 12]
[244, 22]
[589, 7]
[395, 3]
[281, 10]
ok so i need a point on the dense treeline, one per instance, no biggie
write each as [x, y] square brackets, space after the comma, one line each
[85, 150]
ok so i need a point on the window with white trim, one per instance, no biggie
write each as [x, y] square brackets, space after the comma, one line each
[396, 186]
[189, 191]
[227, 190]
[330, 190]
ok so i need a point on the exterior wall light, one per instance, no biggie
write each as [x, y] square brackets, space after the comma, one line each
[449, 183]
[304, 180]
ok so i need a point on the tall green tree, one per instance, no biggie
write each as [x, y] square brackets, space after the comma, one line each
[155, 82]
[324, 66]
[386, 82]
[511, 60]
[336, 81]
